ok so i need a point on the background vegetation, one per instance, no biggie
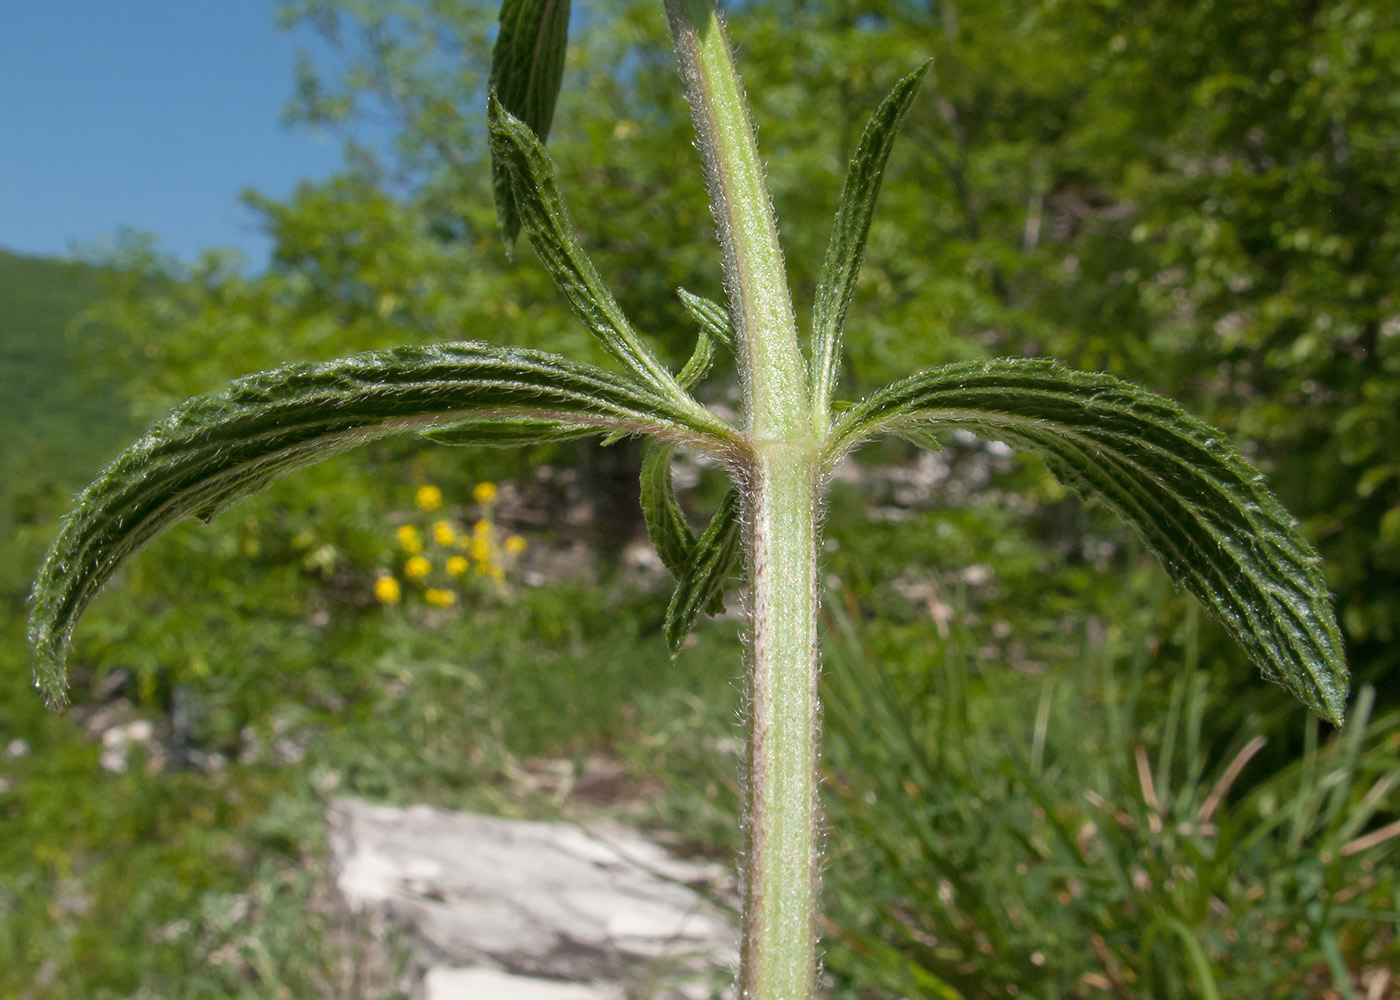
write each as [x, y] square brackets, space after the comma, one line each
[1046, 776]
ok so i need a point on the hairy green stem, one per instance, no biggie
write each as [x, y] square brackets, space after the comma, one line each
[770, 362]
[781, 480]
[780, 888]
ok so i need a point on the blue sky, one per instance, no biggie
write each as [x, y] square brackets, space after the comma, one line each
[152, 114]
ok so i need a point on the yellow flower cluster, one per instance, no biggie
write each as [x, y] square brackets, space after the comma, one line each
[440, 558]
[409, 539]
[387, 589]
[428, 498]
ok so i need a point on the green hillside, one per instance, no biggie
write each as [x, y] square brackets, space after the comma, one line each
[49, 412]
[58, 422]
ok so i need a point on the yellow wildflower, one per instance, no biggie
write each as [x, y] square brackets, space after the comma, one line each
[481, 529]
[408, 539]
[515, 545]
[428, 498]
[386, 590]
[485, 493]
[442, 598]
[443, 533]
[457, 565]
[417, 568]
[498, 574]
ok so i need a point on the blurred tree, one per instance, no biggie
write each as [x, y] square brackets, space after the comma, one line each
[1268, 210]
[1201, 199]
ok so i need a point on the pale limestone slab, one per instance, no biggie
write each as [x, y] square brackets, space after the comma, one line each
[600, 911]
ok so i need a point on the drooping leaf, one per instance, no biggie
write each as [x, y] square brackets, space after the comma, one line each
[849, 233]
[920, 437]
[214, 450]
[506, 433]
[667, 527]
[527, 67]
[546, 222]
[707, 572]
[1199, 505]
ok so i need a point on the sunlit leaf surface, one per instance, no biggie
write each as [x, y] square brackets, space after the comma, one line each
[1201, 507]
[214, 450]
[527, 68]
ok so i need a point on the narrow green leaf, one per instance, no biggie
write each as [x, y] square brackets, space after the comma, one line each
[1200, 506]
[527, 67]
[214, 450]
[848, 237]
[920, 437]
[713, 318]
[707, 572]
[667, 527]
[546, 221]
[506, 433]
[698, 366]
[715, 327]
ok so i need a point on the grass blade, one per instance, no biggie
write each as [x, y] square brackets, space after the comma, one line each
[1200, 507]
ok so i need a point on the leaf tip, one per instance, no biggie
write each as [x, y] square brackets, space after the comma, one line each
[1330, 701]
[49, 650]
[675, 640]
[494, 109]
[507, 216]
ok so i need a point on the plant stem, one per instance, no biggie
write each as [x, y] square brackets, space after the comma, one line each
[781, 482]
[780, 888]
[770, 362]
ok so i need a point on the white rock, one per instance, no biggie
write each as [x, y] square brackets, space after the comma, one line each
[597, 911]
[442, 983]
